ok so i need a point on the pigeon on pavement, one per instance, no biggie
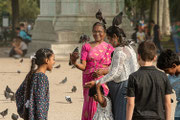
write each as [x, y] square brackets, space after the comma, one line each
[9, 90]
[14, 116]
[74, 89]
[19, 71]
[58, 66]
[63, 81]
[21, 61]
[6, 94]
[68, 99]
[4, 113]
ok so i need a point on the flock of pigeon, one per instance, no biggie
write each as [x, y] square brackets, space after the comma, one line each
[9, 94]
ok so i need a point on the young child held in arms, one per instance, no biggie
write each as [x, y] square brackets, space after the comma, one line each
[148, 92]
[104, 110]
[170, 63]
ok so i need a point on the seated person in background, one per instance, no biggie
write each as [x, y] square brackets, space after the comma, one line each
[18, 47]
[21, 32]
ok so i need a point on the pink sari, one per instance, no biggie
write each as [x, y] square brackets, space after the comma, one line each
[98, 57]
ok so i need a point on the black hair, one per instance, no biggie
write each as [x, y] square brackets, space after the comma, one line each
[18, 38]
[166, 59]
[39, 60]
[152, 21]
[92, 91]
[99, 24]
[18, 28]
[119, 33]
[147, 50]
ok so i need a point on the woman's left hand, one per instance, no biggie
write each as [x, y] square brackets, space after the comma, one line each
[73, 57]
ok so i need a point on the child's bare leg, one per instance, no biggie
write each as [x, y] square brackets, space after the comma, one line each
[18, 51]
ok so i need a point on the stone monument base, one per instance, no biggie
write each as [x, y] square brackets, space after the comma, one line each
[63, 36]
[61, 50]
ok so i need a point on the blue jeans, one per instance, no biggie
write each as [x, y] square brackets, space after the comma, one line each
[177, 118]
[117, 93]
[176, 40]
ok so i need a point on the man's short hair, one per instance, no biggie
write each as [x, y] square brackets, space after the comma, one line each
[147, 50]
[166, 59]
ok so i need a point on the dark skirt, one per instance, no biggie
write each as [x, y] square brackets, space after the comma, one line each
[117, 93]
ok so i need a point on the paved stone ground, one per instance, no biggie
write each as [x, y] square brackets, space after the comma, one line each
[59, 108]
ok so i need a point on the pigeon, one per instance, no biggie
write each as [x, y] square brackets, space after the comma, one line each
[73, 67]
[6, 94]
[19, 71]
[84, 38]
[100, 17]
[12, 97]
[63, 81]
[117, 19]
[21, 61]
[14, 116]
[74, 89]
[68, 99]
[75, 50]
[4, 113]
[8, 90]
[58, 66]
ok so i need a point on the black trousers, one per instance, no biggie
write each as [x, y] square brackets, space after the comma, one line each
[158, 44]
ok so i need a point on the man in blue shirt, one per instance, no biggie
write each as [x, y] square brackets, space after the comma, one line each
[26, 38]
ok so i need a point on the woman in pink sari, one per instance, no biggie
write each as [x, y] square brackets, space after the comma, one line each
[95, 60]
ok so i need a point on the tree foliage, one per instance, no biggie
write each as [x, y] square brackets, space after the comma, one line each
[5, 8]
[28, 10]
[141, 9]
[174, 9]
[138, 8]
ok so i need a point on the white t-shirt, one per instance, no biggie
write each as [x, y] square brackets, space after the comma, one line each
[140, 37]
[104, 113]
[23, 46]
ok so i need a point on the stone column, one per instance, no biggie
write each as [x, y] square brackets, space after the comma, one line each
[43, 33]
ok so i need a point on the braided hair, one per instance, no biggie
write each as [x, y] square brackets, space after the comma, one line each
[38, 60]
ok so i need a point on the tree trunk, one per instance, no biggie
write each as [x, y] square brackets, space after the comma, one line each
[151, 16]
[155, 11]
[15, 14]
[161, 10]
[166, 19]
